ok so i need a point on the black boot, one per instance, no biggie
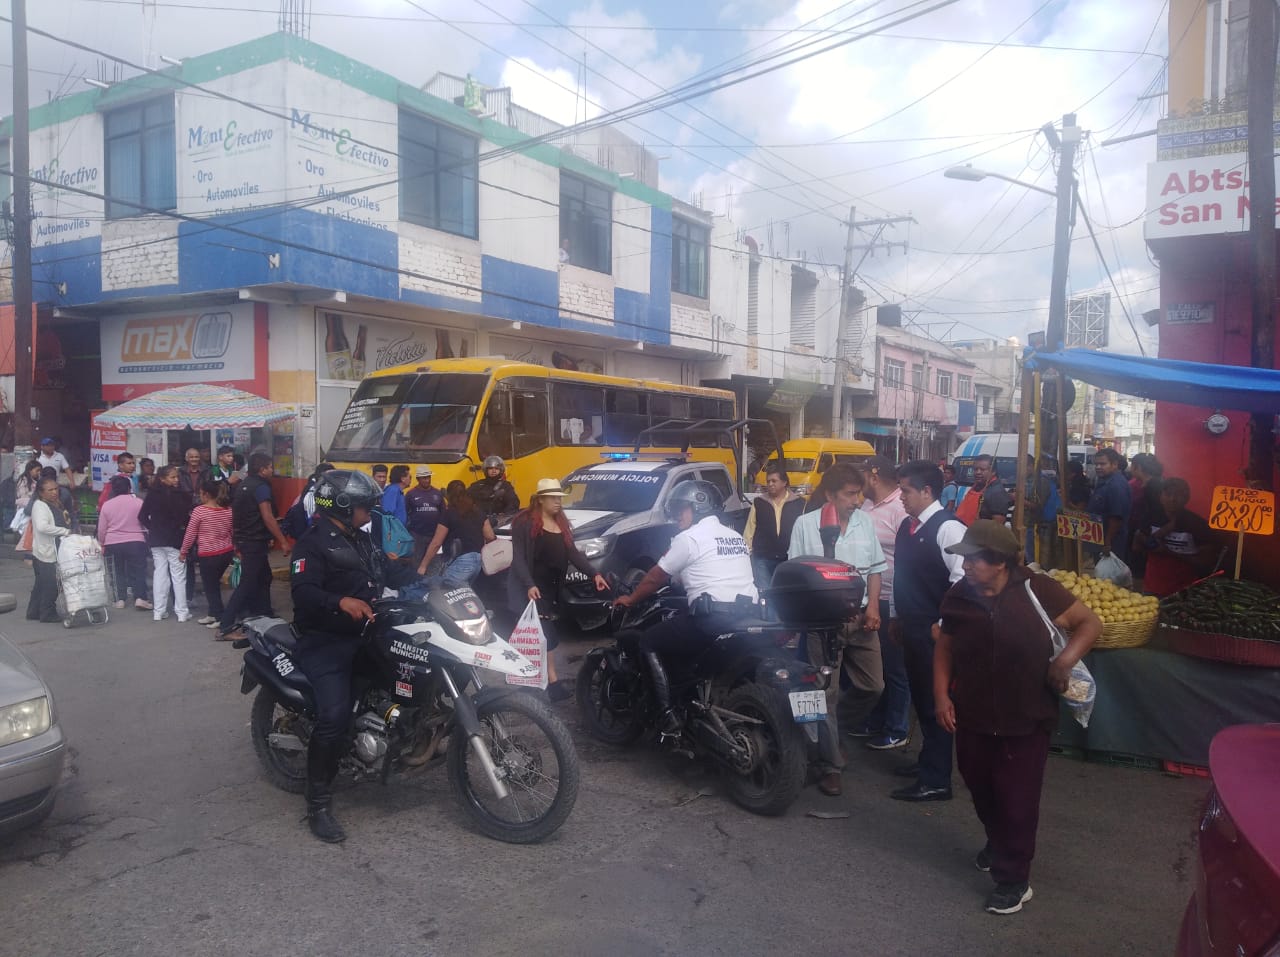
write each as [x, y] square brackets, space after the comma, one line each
[668, 721]
[322, 768]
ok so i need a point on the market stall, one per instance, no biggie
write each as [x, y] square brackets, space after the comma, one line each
[1170, 676]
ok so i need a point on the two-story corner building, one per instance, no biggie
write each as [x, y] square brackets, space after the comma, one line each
[924, 401]
[1197, 220]
[998, 386]
[277, 217]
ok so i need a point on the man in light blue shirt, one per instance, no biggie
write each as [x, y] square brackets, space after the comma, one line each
[857, 648]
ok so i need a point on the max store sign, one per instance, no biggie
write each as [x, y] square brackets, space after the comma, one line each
[213, 346]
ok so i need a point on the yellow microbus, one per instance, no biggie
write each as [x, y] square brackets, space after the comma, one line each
[453, 413]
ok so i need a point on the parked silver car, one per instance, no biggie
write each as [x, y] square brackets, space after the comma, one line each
[32, 748]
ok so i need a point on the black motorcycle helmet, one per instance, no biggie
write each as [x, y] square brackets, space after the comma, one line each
[703, 497]
[340, 491]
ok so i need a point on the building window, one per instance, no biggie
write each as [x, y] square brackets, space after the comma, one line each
[986, 405]
[804, 307]
[917, 377]
[141, 159]
[964, 387]
[689, 245]
[944, 383]
[586, 224]
[895, 373]
[439, 168]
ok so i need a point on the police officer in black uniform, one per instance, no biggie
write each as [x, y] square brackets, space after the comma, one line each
[493, 494]
[337, 572]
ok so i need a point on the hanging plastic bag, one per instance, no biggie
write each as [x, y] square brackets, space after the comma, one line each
[530, 640]
[1112, 569]
[1081, 688]
[233, 577]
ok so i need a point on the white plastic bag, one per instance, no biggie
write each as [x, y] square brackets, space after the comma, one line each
[1081, 688]
[530, 640]
[1112, 569]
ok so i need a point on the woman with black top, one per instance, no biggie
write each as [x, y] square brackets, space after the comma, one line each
[542, 549]
[164, 514]
[461, 533]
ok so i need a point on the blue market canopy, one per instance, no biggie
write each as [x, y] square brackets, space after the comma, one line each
[1170, 380]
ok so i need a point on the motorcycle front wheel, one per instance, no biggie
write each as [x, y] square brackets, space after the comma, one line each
[533, 753]
[777, 754]
[286, 767]
[610, 701]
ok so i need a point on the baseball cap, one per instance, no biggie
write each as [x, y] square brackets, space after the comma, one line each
[423, 471]
[985, 535]
[47, 440]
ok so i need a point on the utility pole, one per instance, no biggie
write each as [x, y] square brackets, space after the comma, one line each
[847, 296]
[1055, 333]
[22, 358]
[1262, 224]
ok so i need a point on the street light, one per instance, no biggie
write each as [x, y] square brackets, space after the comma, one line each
[973, 175]
[1055, 333]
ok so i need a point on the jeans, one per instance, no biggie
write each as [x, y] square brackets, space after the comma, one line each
[128, 562]
[193, 562]
[212, 568]
[892, 714]
[463, 570]
[763, 569]
[253, 595]
[168, 566]
[935, 749]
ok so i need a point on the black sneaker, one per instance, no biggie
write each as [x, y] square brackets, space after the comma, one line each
[1008, 898]
[983, 860]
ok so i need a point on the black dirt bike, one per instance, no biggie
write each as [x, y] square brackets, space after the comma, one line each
[748, 704]
[510, 760]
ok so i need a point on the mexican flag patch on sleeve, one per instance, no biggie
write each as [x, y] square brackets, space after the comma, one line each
[299, 566]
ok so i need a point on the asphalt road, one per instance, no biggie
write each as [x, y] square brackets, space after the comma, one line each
[166, 839]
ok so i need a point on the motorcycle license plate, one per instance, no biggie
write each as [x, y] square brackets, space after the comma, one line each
[807, 706]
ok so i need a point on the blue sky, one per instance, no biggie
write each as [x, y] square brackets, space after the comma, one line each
[872, 124]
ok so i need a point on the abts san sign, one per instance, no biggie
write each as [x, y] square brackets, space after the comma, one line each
[1205, 196]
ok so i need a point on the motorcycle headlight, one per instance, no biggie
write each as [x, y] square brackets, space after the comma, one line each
[24, 720]
[596, 547]
[475, 631]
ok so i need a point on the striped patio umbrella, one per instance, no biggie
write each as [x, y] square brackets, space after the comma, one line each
[201, 407]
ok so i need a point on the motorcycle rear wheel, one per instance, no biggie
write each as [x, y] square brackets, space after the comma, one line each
[777, 776]
[610, 702]
[287, 770]
[534, 753]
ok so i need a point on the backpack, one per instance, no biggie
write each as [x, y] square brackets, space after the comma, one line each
[391, 534]
[295, 520]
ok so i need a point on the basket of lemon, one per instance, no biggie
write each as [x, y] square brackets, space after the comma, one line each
[1128, 619]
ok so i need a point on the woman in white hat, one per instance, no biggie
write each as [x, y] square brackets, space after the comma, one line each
[542, 549]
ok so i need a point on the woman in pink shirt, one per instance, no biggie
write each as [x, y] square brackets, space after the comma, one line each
[209, 529]
[125, 542]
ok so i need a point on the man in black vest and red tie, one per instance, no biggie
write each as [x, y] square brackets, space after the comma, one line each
[923, 571]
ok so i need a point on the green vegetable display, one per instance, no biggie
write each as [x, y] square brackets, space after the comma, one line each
[1226, 607]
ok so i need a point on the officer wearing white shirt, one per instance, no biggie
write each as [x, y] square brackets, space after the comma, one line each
[714, 563]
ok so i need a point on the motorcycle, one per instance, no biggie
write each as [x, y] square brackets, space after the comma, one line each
[510, 760]
[749, 705]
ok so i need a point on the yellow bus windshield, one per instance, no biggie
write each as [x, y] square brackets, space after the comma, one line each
[426, 416]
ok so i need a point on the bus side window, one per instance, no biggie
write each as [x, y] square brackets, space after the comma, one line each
[529, 420]
[625, 416]
[579, 414]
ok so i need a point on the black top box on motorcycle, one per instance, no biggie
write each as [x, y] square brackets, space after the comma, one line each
[815, 591]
